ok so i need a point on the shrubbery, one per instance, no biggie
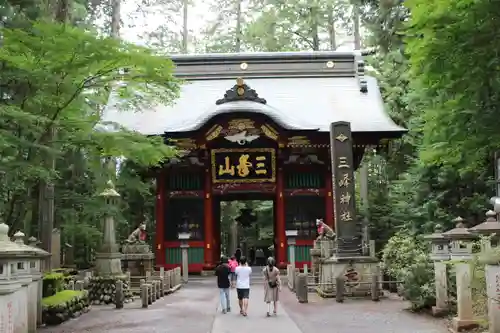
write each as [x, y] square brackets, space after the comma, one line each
[57, 280]
[53, 282]
[407, 259]
[64, 305]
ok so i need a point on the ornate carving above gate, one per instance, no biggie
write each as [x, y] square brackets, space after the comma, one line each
[240, 92]
[241, 130]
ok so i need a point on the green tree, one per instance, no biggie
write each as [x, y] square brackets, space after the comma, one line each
[58, 76]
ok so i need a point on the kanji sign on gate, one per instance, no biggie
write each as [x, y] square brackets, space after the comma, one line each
[252, 165]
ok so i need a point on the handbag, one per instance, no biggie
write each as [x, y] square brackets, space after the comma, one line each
[272, 284]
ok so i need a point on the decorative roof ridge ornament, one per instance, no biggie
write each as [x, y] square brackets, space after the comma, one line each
[360, 73]
[240, 92]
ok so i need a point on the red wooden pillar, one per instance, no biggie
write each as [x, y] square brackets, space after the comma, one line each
[329, 215]
[160, 218]
[280, 236]
[208, 223]
[217, 232]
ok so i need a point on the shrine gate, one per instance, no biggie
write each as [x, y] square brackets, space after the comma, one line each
[257, 126]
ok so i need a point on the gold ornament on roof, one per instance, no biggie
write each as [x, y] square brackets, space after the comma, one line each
[241, 90]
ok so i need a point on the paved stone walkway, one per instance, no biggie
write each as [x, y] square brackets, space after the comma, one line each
[256, 321]
[195, 309]
[189, 310]
[358, 316]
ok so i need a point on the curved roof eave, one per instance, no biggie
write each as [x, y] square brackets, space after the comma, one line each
[242, 106]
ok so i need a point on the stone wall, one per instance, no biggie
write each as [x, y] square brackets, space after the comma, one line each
[13, 308]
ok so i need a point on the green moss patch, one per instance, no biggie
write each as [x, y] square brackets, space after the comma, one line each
[64, 305]
[53, 276]
[61, 297]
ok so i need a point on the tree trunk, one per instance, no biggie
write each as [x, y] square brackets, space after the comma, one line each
[185, 34]
[314, 28]
[237, 45]
[61, 13]
[46, 189]
[332, 38]
[357, 34]
[115, 18]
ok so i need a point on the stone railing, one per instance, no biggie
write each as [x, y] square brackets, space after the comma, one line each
[467, 273]
[151, 287]
[298, 282]
[159, 284]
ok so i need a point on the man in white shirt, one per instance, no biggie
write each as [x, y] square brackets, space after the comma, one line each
[243, 273]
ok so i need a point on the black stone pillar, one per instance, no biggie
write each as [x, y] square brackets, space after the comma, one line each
[347, 227]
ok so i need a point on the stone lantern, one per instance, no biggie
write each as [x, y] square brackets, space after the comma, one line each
[184, 238]
[291, 237]
[440, 244]
[489, 228]
[460, 240]
[110, 197]
[108, 259]
[18, 286]
[461, 250]
[23, 265]
[30, 272]
[440, 252]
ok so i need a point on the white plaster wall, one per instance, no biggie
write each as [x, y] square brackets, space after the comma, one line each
[32, 306]
[21, 300]
[13, 312]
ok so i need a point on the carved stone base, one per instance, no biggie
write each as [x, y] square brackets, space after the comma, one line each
[136, 248]
[108, 264]
[458, 325]
[358, 286]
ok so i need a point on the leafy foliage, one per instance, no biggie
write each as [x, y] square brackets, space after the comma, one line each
[436, 71]
[407, 259]
[57, 84]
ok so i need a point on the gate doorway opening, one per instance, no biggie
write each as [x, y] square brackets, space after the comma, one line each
[247, 224]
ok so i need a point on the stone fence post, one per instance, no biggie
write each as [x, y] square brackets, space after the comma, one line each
[490, 257]
[439, 254]
[301, 288]
[461, 251]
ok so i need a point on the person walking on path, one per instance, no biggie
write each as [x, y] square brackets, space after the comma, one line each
[243, 273]
[272, 285]
[232, 265]
[238, 254]
[223, 272]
